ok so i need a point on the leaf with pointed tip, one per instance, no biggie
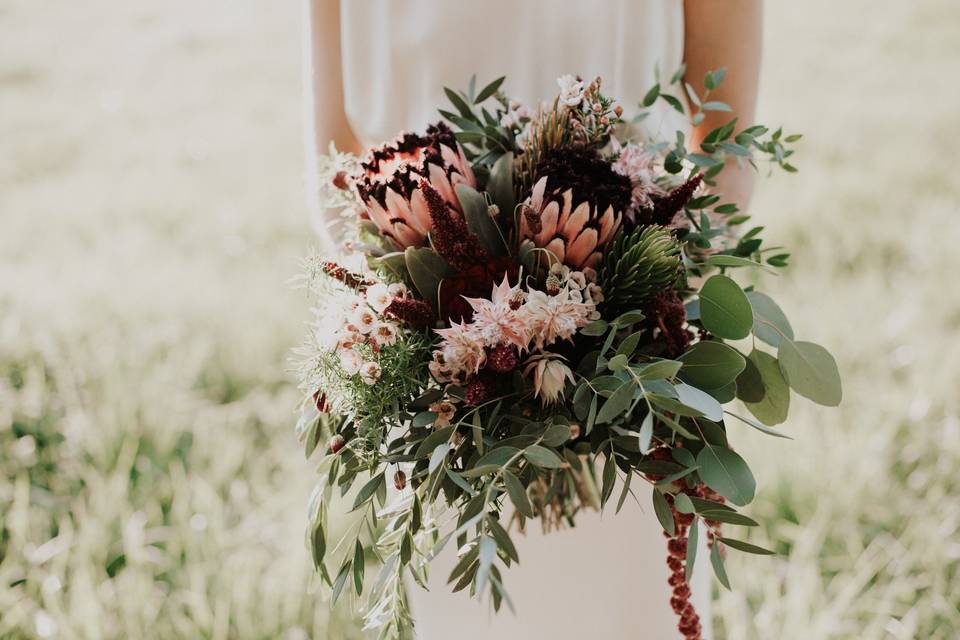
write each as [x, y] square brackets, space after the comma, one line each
[662, 509]
[426, 269]
[811, 371]
[727, 473]
[477, 215]
[724, 308]
[716, 559]
[769, 321]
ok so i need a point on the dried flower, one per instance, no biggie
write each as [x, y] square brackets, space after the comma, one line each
[445, 411]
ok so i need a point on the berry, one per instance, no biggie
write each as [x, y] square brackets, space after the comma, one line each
[336, 443]
[400, 480]
[478, 391]
[502, 359]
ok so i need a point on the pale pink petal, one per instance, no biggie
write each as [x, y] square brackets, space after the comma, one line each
[558, 248]
[397, 206]
[581, 248]
[439, 181]
[420, 220]
[607, 224]
[548, 223]
[567, 207]
[536, 197]
[575, 223]
[379, 216]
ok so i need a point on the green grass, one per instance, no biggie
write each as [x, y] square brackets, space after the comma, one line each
[152, 210]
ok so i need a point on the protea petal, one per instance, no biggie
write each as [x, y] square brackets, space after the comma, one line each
[536, 196]
[548, 223]
[406, 235]
[440, 182]
[420, 220]
[576, 222]
[581, 248]
[395, 172]
[379, 215]
[608, 224]
[558, 248]
[567, 200]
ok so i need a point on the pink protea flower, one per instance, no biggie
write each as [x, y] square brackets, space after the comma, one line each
[575, 207]
[390, 187]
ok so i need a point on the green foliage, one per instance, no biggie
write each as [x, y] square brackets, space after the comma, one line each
[638, 265]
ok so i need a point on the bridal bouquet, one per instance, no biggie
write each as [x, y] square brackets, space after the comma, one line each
[535, 314]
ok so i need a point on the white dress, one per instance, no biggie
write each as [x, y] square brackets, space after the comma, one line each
[607, 578]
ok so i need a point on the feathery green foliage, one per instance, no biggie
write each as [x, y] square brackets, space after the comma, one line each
[638, 264]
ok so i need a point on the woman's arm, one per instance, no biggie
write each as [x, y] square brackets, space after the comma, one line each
[726, 34]
[324, 80]
[326, 118]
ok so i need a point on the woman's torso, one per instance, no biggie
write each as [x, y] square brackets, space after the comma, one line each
[399, 54]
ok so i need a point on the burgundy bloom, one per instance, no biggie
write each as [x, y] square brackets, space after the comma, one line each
[417, 314]
[666, 208]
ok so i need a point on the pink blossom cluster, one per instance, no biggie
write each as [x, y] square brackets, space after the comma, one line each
[525, 320]
[638, 163]
[365, 325]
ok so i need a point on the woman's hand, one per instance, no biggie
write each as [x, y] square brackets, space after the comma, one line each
[725, 34]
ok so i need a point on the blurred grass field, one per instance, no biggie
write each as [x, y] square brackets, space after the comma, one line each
[152, 209]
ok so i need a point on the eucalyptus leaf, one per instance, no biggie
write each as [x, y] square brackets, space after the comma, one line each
[811, 371]
[662, 509]
[716, 560]
[699, 400]
[542, 457]
[658, 369]
[725, 310]
[518, 494]
[764, 390]
[693, 541]
[500, 185]
[727, 473]
[740, 545]
[769, 321]
[616, 404]
[711, 365]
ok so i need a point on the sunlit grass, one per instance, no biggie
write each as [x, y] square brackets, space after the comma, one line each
[152, 209]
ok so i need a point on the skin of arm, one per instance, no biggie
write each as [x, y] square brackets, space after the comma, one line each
[726, 33]
[324, 79]
[325, 116]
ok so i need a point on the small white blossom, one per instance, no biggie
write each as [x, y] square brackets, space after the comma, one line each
[364, 319]
[571, 90]
[370, 372]
[385, 334]
[398, 290]
[350, 361]
[378, 297]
